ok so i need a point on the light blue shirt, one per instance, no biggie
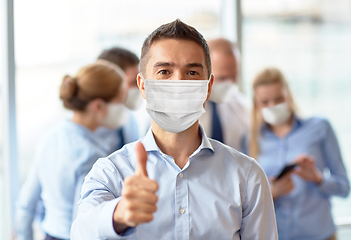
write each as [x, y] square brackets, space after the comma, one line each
[219, 194]
[62, 160]
[305, 213]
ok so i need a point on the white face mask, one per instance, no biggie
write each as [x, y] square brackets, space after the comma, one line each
[277, 114]
[134, 99]
[116, 117]
[223, 91]
[175, 105]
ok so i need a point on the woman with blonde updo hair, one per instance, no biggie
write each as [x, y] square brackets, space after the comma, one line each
[88, 93]
[278, 138]
[96, 96]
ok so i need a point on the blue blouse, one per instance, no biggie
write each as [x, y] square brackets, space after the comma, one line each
[62, 160]
[305, 213]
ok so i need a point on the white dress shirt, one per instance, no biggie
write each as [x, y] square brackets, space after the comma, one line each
[234, 117]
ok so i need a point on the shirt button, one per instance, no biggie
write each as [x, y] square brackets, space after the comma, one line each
[181, 210]
[181, 175]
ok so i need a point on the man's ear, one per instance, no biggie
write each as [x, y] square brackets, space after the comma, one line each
[141, 86]
[210, 84]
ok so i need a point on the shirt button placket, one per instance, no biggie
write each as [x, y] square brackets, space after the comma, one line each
[181, 207]
[181, 210]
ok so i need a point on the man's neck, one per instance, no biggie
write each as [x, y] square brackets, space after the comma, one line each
[178, 145]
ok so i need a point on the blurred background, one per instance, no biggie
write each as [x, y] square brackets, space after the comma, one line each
[310, 41]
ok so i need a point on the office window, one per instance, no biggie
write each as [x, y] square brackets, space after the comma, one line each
[310, 42]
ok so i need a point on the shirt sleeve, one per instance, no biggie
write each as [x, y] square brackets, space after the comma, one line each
[26, 205]
[258, 221]
[337, 183]
[99, 196]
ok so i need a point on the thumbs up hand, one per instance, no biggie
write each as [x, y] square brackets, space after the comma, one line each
[138, 200]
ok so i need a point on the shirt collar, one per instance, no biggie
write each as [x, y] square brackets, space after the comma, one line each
[150, 143]
[205, 142]
[298, 121]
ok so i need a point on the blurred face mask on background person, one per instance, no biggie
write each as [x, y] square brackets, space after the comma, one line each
[117, 116]
[175, 105]
[222, 91]
[277, 114]
[134, 99]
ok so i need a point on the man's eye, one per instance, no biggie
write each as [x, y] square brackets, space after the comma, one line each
[163, 72]
[193, 73]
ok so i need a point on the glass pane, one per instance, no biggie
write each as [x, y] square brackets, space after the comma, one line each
[310, 42]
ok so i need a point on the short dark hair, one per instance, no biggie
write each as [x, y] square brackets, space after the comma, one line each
[120, 56]
[174, 30]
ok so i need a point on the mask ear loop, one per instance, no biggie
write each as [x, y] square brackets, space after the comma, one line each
[142, 77]
[208, 85]
[209, 79]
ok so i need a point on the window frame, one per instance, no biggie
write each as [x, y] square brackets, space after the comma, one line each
[8, 95]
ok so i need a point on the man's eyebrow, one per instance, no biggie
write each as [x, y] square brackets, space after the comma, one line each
[191, 65]
[163, 64]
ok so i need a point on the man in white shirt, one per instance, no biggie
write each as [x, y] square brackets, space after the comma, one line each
[175, 183]
[227, 113]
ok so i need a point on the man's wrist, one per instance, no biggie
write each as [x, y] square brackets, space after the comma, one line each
[118, 224]
[119, 228]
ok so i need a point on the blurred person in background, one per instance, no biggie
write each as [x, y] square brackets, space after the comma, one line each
[227, 112]
[129, 63]
[278, 136]
[96, 95]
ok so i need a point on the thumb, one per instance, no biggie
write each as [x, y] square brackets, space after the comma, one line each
[140, 169]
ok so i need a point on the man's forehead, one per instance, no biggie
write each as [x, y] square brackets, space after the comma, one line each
[220, 60]
[176, 51]
[218, 55]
